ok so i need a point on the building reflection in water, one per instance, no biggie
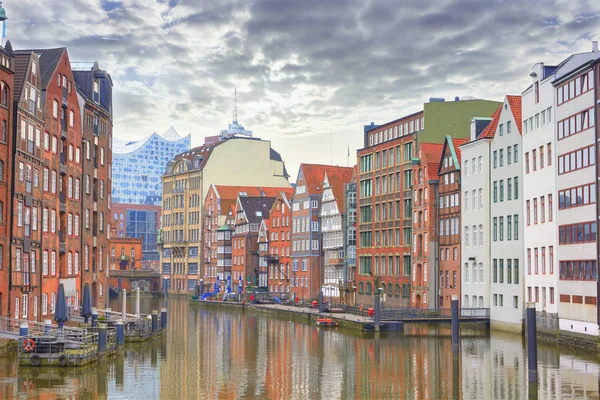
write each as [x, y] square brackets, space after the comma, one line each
[209, 354]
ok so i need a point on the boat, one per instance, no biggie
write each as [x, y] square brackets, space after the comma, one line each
[326, 322]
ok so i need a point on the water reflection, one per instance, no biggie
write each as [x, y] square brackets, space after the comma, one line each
[210, 354]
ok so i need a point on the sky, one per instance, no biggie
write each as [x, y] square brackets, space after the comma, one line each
[309, 73]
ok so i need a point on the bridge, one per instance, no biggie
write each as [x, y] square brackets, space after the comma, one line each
[9, 328]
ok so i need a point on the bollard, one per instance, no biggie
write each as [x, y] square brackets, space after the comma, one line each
[101, 338]
[47, 326]
[94, 317]
[455, 321]
[163, 319]
[321, 306]
[377, 309]
[120, 333]
[124, 306]
[531, 343]
[137, 301]
[23, 329]
[154, 321]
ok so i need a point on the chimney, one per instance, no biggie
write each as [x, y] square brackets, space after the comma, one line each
[595, 46]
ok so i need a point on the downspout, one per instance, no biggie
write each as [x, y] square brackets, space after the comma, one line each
[12, 201]
[596, 70]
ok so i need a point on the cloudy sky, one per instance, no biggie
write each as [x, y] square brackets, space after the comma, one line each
[308, 72]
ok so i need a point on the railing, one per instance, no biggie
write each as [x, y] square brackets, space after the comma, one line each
[136, 273]
[433, 314]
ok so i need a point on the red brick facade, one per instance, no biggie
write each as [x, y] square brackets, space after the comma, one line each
[96, 182]
[6, 173]
[448, 224]
[384, 213]
[28, 181]
[279, 262]
[424, 249]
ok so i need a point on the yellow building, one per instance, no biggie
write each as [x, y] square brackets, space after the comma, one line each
[222, 160]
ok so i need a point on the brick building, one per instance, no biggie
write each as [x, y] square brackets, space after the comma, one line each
[424, 284]
[448, 221]
[384, 208]
[250, 212]
[125, 255]
[27, 188]
[61, 245]
[219, 206]
[276, 261]
[307, 260]
[94, 93]
[7, 67]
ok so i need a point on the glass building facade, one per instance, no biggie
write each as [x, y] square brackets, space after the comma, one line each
[139, 165]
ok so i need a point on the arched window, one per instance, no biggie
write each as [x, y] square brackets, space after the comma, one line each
[133, 252]
[405, 291]
[5, 94]
[122, 251]
[397, 290]
[361, 288]
[390, 290]
[369, 288]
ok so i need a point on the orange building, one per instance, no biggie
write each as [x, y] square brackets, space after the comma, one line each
[7, 66]
[126, 255]
[424, 250]
[448, 221]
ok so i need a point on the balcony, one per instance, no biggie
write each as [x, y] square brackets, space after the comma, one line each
[63, 169]
[25, 280]
[63, 131]
[65, 97]
[272, 259]
[62, 246]
[63, 203]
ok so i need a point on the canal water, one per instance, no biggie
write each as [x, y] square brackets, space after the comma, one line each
[228, 354]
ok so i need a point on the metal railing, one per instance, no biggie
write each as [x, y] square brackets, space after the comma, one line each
[433, 314]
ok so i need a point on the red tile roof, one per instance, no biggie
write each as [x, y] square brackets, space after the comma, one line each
[456, 142]
[314, 174]
[431, 154]
[229, 194]
[515, 106]
[337, 182]
[490, 131]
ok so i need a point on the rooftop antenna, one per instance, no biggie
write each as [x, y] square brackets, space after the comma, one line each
[235, 106]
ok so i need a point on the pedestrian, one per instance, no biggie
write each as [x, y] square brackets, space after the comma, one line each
[361, 311]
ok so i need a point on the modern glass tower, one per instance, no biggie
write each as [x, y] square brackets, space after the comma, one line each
[139, 165]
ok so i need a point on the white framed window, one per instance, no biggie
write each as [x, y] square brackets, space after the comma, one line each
[45, 262]
[53, 264]
[45, 304]
[53, 182]
[25, 306]
[52, 302]
[77, 188]
[55, 109]
[76, 225]
[70, 263]
[71, 118]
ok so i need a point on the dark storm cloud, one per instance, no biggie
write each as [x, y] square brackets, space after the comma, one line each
[301, 67]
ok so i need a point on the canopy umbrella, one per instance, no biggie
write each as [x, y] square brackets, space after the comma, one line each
[229, 284]
[60, 308]
[217, 285]
[241, 285]
[86, 307]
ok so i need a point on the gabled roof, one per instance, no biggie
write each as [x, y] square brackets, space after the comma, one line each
[22, 61]
[514, 103]
[451, 144]
[574, 62]
[490, 131]
[228, 194]
[431, 154]
[314, 175]
[256, 208]
[49, 59]
[337, 180]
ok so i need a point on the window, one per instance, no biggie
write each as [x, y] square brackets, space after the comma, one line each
[584, 232]
[55, 109]
[495, 158]
[501, 228]
[575, 160]
[534, 159]
[550, 214]
[71, 118]
[528, 211]
[527, 162]
[516, 153]
[495, 229]
[501, 155]
[535, 211]
[501, 190]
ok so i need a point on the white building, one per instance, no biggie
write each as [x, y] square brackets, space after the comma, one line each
[506, 207]
[575, 84]
[475, 246]
[539, 191]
